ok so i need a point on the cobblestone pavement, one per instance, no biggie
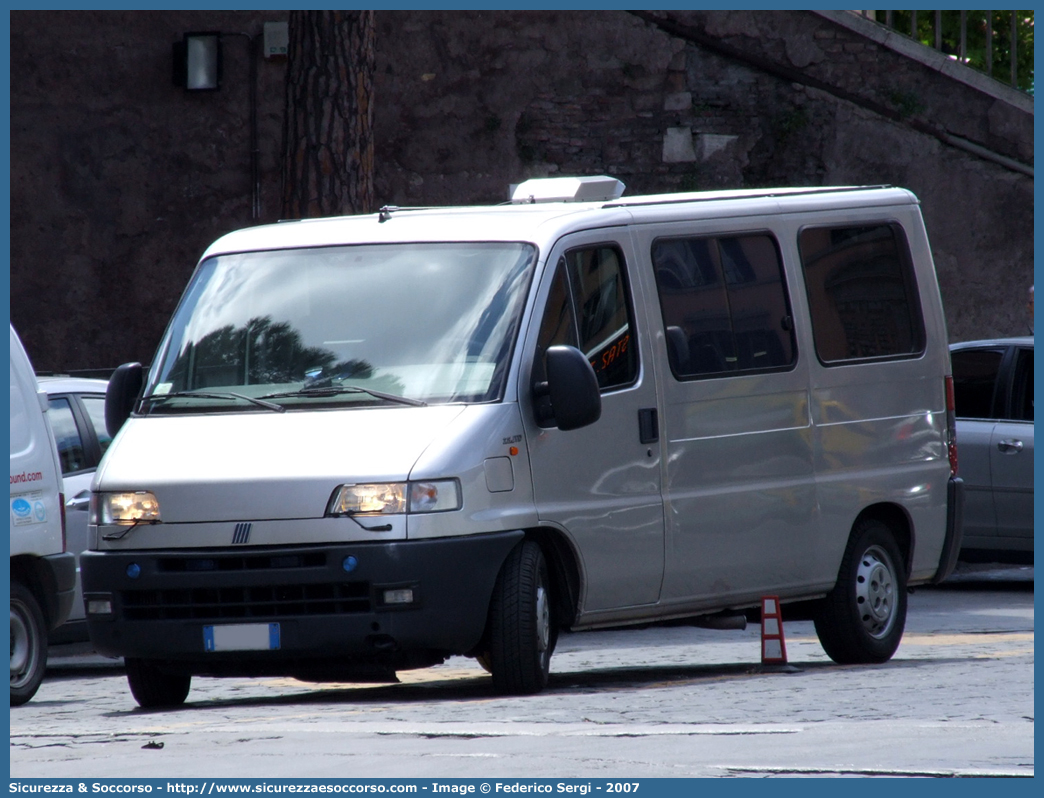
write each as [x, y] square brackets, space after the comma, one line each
[957, 699]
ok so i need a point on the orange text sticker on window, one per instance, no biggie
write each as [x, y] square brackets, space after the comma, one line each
[613, 352]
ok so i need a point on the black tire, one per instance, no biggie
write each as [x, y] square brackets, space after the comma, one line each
[153, 687]
[522, 633]
[28, 644]
[862, 619]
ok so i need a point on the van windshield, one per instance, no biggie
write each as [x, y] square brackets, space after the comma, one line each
[390, 324]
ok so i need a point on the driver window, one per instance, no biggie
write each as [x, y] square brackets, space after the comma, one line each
[603, 314]
[558, 326]
[588, 308]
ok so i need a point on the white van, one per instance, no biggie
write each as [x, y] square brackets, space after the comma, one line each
[43, 574]
[369, 443]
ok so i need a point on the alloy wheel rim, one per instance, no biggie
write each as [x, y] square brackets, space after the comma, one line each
[876, 592]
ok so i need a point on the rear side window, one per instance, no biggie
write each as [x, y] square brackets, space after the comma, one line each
[975, 374]
[861, 293]
[71, 450]
[95, 407]
[724, 304]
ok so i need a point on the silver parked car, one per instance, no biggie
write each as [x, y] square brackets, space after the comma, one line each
[77, 416]
[993, 387]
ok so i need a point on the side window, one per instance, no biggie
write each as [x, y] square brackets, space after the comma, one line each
[1022, 389]
[861, 292]
[603, 314]
[975, 381]
[95, 407]
[71, 451]
[724, 304]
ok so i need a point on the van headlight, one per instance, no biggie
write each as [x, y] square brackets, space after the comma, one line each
[395, 498]
[137, 507]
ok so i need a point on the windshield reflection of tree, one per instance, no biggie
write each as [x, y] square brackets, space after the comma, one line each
[263, 352]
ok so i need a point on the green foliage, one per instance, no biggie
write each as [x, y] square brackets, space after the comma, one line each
[905, 102]
[790, 122]
[976, 39]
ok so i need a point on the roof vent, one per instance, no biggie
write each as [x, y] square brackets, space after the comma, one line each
[568, 189]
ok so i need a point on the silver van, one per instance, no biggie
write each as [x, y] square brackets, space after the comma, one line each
[366, 444]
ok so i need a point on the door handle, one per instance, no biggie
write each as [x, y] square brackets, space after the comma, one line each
[1010, 447]
[648, 425]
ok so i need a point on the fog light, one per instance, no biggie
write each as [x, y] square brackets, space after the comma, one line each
[349, 563]
[133, 570]
[99, 606]
[402, 595]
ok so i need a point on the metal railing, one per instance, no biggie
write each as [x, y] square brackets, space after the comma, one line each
[999, 43]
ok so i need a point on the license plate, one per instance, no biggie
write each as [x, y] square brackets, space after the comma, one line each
[241, 637]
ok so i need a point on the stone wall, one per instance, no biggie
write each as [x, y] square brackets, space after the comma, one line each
[120, 179]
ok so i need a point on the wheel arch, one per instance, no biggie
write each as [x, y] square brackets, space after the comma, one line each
[563, 566]
[39, 580]
[896, 518]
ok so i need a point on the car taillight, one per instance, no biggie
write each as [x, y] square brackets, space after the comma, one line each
[951, 426]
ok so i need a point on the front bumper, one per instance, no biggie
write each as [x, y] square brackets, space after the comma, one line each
[331, 621]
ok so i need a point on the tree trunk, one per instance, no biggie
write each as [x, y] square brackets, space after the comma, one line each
[328, 122]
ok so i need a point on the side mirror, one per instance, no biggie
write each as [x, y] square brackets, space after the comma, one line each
[572, 388]
[124, 387]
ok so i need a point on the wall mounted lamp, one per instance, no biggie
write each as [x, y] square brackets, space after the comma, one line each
[197, 61]
[197, 67]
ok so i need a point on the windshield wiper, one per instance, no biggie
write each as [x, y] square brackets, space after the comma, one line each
[321, 393]
[162, 397]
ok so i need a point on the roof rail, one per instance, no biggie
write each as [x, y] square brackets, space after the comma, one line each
[735, 194]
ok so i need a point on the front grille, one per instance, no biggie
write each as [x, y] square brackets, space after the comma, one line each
[242, 562]
[246, 602]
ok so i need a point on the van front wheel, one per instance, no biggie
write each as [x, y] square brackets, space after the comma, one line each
[153, 687]
[522, 631]
[862, 619]
[28, 644]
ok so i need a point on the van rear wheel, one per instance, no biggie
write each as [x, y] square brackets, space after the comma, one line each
[28, 644]
[863, 617]
[522, 632]
[154, 687]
